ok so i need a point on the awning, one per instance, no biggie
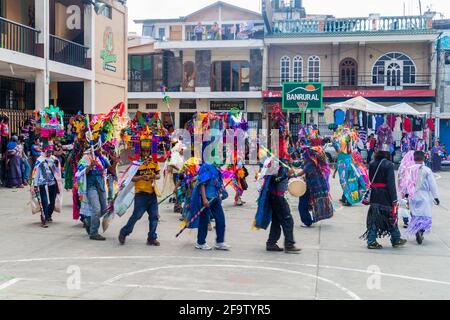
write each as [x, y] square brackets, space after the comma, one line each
[361, 104]
[404, 108]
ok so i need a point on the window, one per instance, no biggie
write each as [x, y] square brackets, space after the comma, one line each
[162, 34]
[298, 69]
[314, 69]
[147, 31]
[394, 69]
[285, 66]
[145, 73]
[230, 76]
[106, 11]
[393, 75]
[189, 104]
[348, 73]
[133, 106]
[189, 76]
[151, 106]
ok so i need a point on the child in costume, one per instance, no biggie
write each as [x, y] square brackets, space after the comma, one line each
[208, 193]
[422, 199]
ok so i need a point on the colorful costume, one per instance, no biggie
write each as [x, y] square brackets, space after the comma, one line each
[352, 172]
[317, 173]
[421, 201]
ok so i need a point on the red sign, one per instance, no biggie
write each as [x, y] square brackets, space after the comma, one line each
[363, 93]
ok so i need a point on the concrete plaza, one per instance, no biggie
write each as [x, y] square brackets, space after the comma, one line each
[62, 263]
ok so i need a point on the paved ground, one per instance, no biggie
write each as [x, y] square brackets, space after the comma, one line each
[38, 263]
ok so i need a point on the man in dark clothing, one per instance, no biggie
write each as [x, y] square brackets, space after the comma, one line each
[382, 219]
[281, 213]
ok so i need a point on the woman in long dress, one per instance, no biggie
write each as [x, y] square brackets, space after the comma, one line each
[14, 162]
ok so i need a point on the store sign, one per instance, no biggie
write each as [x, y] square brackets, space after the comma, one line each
[227, 105]
[301, 95]
[107, 54]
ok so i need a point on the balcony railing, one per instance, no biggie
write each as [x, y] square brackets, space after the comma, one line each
[352, 25]
[362, 80]
[68, 52]
[17, 37]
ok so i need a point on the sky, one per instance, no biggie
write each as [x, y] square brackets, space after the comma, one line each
[160, 9]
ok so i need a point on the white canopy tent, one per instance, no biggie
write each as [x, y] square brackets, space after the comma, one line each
[359, 103]
[404, 108]
[362, 104]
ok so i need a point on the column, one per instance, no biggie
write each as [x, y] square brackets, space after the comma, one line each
[89, 97]
[41, 84]
[265, 67]
[89, 34]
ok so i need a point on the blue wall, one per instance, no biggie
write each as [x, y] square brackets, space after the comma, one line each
[445, 133]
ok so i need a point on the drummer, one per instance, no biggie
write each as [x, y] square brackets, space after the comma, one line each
[281, 213]
[316, 171]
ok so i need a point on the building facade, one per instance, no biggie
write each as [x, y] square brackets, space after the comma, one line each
[387, 60]
[68, 53]
[210, 60]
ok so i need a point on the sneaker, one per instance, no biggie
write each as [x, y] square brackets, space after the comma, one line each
[293, 250]
[222, 246]
[374, 245]
[97, 237]
[399, 243]
[43, 225]
[239, 203]
[405, 226]
[210, 228]
[274, 248]
[419, 237]
[122, 239]
[154, 243]
[205, 247]
[49, 219]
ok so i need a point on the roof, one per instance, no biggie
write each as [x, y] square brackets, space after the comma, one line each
[182, 19]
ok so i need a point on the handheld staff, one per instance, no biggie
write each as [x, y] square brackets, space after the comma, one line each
[38, 197]
[201, 211]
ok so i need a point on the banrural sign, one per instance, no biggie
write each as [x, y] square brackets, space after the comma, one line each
[301, 95]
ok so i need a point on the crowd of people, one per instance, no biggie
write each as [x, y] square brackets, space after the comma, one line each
[88, 154]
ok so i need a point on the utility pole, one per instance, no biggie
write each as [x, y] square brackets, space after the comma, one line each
[420, 7]
[439, 90]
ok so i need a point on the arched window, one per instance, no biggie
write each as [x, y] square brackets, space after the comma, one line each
[348, 70]
[314, 69]
[285, 67]
[394, 69]
[298, 69]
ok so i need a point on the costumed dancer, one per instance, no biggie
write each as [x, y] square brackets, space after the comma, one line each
[317, 197]
[382, 218]
[352, 172]
[207, 196]
[273, 208]
[423, 192]
[46, 186]
[404, 185]
[236, 169]
[145, 199]
[175, 164]
[91, 187]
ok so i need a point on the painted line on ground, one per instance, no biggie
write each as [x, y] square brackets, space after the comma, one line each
[226, 260]
[129, 274]
[9, 283]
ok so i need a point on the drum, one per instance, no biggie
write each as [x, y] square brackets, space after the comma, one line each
[297, 187]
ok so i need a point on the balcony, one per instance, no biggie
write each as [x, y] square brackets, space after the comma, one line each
[17, 37]
[68, 52]
[365, 81]
[352, 25]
